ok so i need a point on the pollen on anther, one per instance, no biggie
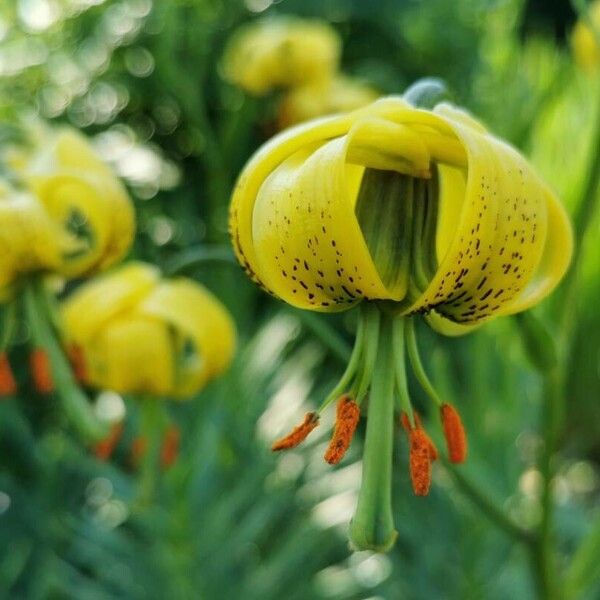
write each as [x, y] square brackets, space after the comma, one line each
[454, 432]
[298, 434]
[170, 447]
[347, 417]
[422, 453]
[77, 359]
[104, 448]
[420, 462]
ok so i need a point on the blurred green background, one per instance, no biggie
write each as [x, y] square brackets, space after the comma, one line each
[229, 519]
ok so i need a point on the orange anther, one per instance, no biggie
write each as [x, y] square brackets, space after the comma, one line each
[433, 451]
[170, 447]
[39, 365]
[139, 447]
[420, 461]
[422, 453]
[77, 358]
[298, 434]
[104, 449]
[346, 420]
[454, 432]
[8, 385]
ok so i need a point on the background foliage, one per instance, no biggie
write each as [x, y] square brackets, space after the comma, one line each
[230, 519]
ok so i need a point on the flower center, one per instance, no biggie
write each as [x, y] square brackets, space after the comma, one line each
[398, 216]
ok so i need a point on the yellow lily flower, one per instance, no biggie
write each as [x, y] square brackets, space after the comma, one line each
[81, 196]
[281, 52]
[340, 94]
[402, 211]
[140, 334]
[423, 208]
[29, 239]
[584, 41]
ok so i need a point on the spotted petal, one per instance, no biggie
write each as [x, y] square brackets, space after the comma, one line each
[462, 227]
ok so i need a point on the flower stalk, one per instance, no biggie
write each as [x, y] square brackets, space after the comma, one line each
[73, 400]
[152, 426]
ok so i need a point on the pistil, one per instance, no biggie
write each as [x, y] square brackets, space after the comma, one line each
[372, 527]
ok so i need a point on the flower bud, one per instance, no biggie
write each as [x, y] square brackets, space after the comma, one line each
[584, 41]
[281, 52]
[340, 94]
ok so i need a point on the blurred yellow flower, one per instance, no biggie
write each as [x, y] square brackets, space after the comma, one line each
[281, 52]
[339, 94]
[140, 334]
[425, 209]
[585, 42]
[29, 239]
[82, 197]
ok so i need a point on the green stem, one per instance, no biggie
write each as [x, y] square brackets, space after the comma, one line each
[538, 343]
[487, 506]
[372, 527]
[417, 365]
[544, 559]
[73, 400]
[50, 308]
[152, 427]
[583, 570]
[9, 324]
[581, 225]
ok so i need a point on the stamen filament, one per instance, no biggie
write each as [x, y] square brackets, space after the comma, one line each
[400, 369]
[373, 526]
[352, 367]
[372, 319]
[417, 365]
